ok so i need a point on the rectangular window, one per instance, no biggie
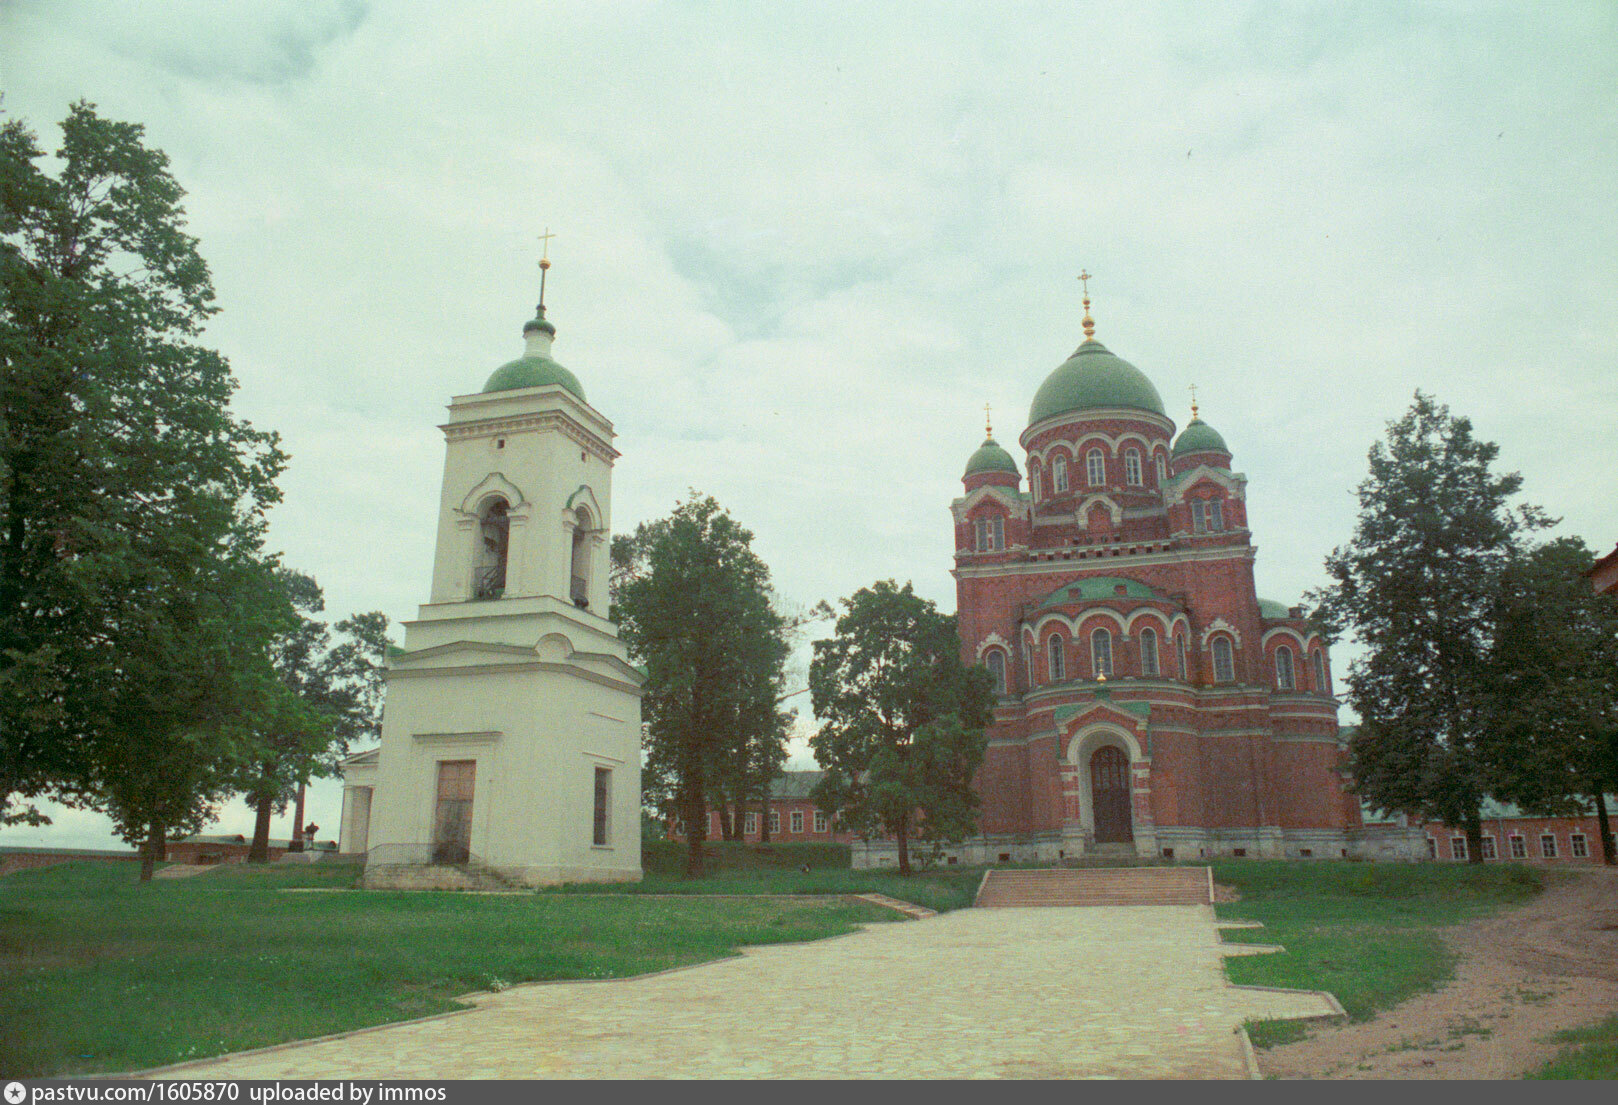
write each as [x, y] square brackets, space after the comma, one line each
[1488, 848]
[603, 818]
[1432, 848]
[1132, 471]
[1518, 847]
[1578, 845]
[797, 821]
[1216, 516]
[1457, 847]
[750, 825]
[775, 821]
[820, 821]
[990, 534]
[1095, 468]
[1059, 475]
[1199, 523]
[1547, 845]
[1148, 652]
[1162, 471]
[1185, 668]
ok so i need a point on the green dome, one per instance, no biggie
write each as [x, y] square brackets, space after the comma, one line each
[1090, 379]
[990, 458]
[1097, 587]
[1269, 608]
[533, 371]
[1199, 437]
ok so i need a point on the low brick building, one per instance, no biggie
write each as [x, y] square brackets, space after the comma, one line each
[794, 817]
[1510, 834]
[233, 848]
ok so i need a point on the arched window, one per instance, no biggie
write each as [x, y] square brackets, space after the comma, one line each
[1224, 663]
[1216, 517]
[1058, 475]
[579, 585]
[1322, 684]
[494, 543]
[1095, 467]
[1162, 470]
[1034, 485]
[1101, 653]
[1284, 677]
[995, 661]
[1148, 653]
[1132, 471]
[1185, 667]
[1058, 668]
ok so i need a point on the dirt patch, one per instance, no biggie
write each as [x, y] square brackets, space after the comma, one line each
[1523, 974]
[1223, 893]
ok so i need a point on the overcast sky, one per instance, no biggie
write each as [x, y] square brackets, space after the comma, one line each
[800, 246]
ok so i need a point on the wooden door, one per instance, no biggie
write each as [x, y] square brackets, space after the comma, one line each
[452, 815]
[1109, 796]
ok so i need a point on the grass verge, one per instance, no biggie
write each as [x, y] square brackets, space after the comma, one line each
[1366, 932]
[99, 973]
[1590, 1052]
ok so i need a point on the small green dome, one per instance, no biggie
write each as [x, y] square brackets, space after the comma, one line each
[1093, 588]
[1199, 437]
[533, 371]
[1269, 608]
[990, 458]
[1090, 379]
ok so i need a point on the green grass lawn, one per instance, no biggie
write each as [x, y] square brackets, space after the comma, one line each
[1590, 1052]
[1366, 932]
[99, 973]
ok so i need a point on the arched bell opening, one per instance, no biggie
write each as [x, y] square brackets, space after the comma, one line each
[494, 547]
[579, 577]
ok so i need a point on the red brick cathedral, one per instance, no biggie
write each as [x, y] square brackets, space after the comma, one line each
[1150, 702]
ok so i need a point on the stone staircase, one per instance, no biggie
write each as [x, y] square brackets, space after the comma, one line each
[1096, 886]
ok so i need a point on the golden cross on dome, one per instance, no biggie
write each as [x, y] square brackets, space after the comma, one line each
[988, 426]
[1089, 323]
[1193, 390]
[544, 265]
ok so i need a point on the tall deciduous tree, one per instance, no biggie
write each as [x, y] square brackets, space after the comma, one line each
[903, 720]
[1416, 585]
[694, 605]
[334, 694]
[1553, 742]
[127, 487]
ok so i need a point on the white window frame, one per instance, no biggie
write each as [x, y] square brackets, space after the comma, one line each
[1055, 659]
[775, 822]
[1517, 846]
[1284, 677]
[1095, 468]
[1149, 660]
[990, 533]
[1547, 853]
[1162, 470]
[796, 821]
[1488, 848]
[750, 823]
[1132, 469]
[1028, 659]
[1322, 680]
[1058, 475]
[1199, 517]
[1216, 516]
[820, 821]
[1457, 848]
[1101, 652]
[1225, 673]
[1578, 846]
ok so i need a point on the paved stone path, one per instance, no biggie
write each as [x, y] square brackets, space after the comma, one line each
[1124, 991]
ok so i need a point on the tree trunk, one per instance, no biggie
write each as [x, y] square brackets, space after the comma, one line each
[696, 833]
[296, 843]
[259, 851]
[1474, 837]
[727, 822]
[904, 846]
[152, 851]
[764, 818]
[1605, 828]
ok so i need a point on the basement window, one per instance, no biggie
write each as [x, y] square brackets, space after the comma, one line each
[1168, 853]
[1239, 853]
[1005, 857]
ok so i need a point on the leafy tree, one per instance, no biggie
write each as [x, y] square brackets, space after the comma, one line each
[694, 605]
[1417, 586]
[1553, 740]
[127, 488]
[334, 694]
[903, 719]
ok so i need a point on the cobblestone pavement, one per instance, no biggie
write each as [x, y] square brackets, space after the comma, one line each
[1122, 991]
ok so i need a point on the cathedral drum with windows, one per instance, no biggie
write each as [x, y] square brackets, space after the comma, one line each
[511, 725]
[1149, 702]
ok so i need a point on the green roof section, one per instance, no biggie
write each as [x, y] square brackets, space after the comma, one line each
[1092, 379]
[1199, 437]
[990, 458]
[1269, 608]
[1097, 587]
[533, 371]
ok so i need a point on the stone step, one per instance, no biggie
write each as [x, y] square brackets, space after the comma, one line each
[1095, 886]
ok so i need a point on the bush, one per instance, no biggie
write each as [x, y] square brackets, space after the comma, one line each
[667, 857]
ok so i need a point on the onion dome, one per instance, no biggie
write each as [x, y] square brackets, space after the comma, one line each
[535, 369]
[1091, 379]
[1199, 437]
[990, 458]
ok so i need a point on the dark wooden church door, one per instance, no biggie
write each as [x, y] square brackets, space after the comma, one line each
[452, 817]
[1109, 795]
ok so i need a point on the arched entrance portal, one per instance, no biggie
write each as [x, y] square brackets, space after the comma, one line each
[1109, 795]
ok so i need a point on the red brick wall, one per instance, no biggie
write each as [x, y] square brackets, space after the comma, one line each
[1530, 829]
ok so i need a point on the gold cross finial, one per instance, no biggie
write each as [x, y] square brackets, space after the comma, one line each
[544, 266]
[1089, 323]
[988, 426]
[1193, 390]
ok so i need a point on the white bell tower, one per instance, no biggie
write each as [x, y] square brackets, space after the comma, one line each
[511, 725]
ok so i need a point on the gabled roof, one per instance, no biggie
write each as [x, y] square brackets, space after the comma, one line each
[795, 784]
